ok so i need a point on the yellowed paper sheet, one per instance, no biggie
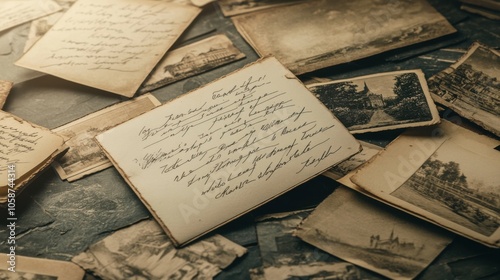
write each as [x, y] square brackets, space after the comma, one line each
[37, 268]
[84, 156]
[446, 174]
[214, 154]
[14, 12]
[25, 149]
[107, 44]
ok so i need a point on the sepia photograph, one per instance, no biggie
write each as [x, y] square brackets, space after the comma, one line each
[379, 102]
[191, 60]
[471, 87]
[285, 256]
[372, 235]
[144, 250]
[5, 87]
[449, 185]
[238, 7]
[336, 32]
[447, 175]
[85, 156]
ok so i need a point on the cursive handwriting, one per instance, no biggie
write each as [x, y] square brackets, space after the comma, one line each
[113, 36]
[247, 133]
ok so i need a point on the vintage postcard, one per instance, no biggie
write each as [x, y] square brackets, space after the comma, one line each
[107, 44]
[26, 150]
[347, 166]
[191, 60]
[446, 174]
[285, 256]
[40, 269]
[207, 157]
[471, 87]
[372, 235]
[13, 13]
[338, 32]
[84, 156]
[237, 7]
[5, 87]
[143, 251]
[379, 102]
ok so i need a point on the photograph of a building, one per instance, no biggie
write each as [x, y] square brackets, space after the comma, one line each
[446, 185]
[380, 102]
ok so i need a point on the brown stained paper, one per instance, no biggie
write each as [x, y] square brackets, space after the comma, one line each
[214, 154]
[107, 44]
[445, 174]
[13, 13]
[25, 150]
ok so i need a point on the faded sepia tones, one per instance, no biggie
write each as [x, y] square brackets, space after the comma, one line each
[144, 250]
[380, 101]
[191, 60]
[471, 87]
[85, 156]
[370, 234]
[336, 32]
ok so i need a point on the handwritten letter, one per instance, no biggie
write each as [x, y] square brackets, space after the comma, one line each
[13, 13]
[24, 146]
[107, 44]
[224, 149]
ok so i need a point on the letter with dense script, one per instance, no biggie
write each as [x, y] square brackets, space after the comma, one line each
[222, 150]
[108, 44]
[25, 150]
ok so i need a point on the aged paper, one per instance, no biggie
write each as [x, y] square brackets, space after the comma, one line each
[107, 44]
[37, 268]
[207, 157]
[285, 256]
[338, 32]
[143, 251]
[191, 60]
[40, 26]
[238, 7]
[372, 235]
[5, 87]
[25, 150]
[15, 12]
[471, 87]
[379, 102]
[84, 156]
[446, 174]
